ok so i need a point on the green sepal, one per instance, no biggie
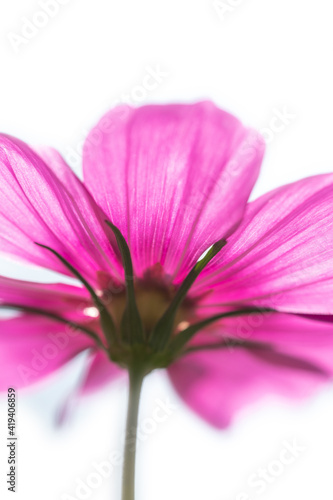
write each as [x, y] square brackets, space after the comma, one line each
[131, 323]
[183, 337]
[265, 352]
[163, 329]
[106, 320]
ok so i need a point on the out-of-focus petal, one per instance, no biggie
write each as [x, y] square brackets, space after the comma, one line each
[49, 205]
[33, 347]
[216, 384]
[101, 371]
[173, 178]
[281, 255]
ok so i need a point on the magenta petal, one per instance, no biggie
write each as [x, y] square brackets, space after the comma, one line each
[282, 253]
[33, 347]
[218, 383]
[49, 205]
[173, 178]
[66, 299]
[101, 371]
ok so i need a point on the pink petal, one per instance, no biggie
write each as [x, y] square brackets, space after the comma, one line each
[33, 347]
[101, 371]
[65, 299]
[282, 253]
[218, 383]
[173, 178]
[49, 206]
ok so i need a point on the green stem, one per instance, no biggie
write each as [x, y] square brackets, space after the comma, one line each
[136, 376]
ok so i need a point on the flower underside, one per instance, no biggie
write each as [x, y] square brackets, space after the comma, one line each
[149, 322]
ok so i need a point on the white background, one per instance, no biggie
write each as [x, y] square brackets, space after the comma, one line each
[261, 56]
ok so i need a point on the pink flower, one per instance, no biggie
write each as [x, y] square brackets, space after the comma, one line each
[174, 180]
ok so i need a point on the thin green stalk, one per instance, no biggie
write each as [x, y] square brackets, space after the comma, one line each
[136, 376]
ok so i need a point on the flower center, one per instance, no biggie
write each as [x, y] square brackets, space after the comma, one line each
[152, 301]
